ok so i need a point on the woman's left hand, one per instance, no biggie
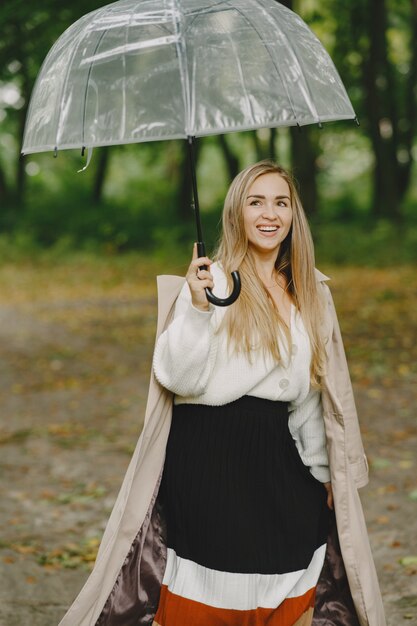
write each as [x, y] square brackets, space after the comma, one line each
[329, 490]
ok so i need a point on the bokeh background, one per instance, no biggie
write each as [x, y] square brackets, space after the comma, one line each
[79, 253]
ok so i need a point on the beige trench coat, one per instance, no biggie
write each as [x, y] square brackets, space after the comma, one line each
[135, 502]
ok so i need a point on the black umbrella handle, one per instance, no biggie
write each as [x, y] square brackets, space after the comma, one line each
[201, 251]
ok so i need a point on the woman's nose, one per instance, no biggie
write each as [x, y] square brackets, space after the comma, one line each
[269, 210]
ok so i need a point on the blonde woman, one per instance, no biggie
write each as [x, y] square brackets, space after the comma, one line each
[246, 487]
[251, 450]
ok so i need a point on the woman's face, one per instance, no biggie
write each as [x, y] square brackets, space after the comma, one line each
[267, 213]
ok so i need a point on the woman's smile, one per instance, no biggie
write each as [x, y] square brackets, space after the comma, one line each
[268, 231]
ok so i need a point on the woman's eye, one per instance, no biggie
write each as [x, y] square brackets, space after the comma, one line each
[255, 203]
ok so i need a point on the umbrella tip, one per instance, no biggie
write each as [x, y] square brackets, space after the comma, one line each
[82, 151]
[320, 125]
[55, 152]
[357, 121]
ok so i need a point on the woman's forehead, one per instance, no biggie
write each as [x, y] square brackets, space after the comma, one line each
[269, 184]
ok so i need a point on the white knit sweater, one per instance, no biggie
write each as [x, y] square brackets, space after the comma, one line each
[193, 362]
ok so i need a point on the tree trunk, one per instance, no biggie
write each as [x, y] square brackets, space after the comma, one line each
[3, 188]
[26, 88]
[272, 153]
[230, 158]
[100, 175]
[410, 117]
[380, 93]
[304, 158]
[21, 164]
[257, 144]
[264, 148]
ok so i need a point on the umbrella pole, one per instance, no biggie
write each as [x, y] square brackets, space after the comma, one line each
[201, 248]
[195, 203]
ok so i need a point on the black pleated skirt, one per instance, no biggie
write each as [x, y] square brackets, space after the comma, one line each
[247, 522]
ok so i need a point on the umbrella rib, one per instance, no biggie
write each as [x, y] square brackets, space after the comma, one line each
[242, 78]
[245, 17]
[181, 50]
[123, 124]
[87, 84]
[65, 83]
[64, 86]
[210, 9]
[123, 113]
[295, 56]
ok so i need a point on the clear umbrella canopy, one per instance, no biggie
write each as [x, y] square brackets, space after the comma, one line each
[149, 70]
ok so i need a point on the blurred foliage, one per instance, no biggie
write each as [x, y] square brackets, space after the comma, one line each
[132, 197]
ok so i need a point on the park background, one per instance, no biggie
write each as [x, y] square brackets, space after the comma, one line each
[79, 253]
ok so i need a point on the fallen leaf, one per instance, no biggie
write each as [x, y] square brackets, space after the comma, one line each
[389, 567]
[408, 560]
[390, 488]
[406, 464]
[380, 463]
[23, 549]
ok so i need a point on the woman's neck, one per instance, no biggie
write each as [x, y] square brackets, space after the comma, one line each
[265, 268]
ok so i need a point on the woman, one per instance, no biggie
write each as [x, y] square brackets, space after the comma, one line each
[235, 374]
[226, 514]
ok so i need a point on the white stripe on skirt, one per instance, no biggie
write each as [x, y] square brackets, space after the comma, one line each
[245, 592]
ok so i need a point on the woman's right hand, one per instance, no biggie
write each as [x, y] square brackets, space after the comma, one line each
[198, 280]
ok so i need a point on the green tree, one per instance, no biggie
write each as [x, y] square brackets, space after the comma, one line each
[376, 47]
[28, 32]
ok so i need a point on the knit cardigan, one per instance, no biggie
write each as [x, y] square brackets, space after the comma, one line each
[193, 361]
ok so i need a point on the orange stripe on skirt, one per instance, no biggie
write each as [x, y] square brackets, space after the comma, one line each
[175, 610]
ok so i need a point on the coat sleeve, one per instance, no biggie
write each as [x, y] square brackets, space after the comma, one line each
[307, 429]
[339, 380]
[185, 352]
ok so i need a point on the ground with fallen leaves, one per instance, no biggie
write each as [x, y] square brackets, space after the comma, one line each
[76, 340]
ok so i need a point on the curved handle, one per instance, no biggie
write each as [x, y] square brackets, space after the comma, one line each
[237, 285]
[230, 299]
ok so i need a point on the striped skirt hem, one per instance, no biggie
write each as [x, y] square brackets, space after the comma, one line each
[217, 598]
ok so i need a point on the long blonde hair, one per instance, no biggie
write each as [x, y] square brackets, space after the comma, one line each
[248, 320]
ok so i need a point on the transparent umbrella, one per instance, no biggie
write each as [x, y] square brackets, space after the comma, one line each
[148, 70]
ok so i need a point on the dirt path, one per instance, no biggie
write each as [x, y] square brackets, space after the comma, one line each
[76, 344]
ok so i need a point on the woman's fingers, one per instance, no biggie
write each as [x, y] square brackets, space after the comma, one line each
[195, 258]
[197, 263]
[329, 490]
[330, 501]
[203, 274]
[200, 262]
[199, 279]
[205, 284]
